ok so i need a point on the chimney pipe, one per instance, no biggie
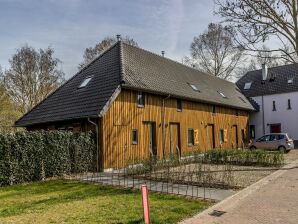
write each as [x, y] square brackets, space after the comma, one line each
[118, 36]
[163, 53]
[264, 72]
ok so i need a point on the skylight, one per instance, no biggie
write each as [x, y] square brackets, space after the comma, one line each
[85, 82]
[194, 87]
[247, 85]
[222, 94]
[290, 81]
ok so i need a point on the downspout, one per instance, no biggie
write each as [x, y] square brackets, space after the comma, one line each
[97, 142]
[263, 115]
[164, 125]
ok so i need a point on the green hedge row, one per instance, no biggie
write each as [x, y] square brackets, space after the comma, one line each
[244, 157]
[33, 156]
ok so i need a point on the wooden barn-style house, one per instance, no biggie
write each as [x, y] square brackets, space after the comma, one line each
[141, 104]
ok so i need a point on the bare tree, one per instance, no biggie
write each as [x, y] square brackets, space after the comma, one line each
[254, 62]
[258, 22]
[32, 76]
[92, 52]
[8, 113]
[215, 52]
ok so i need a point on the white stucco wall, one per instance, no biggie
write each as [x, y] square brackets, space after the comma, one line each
[287, 118]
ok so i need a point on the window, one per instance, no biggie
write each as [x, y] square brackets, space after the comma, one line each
[289, 104]
[85, 82]
[194, 87]
[141, 99]
[134, 137]
[222, 94]
[190, 137]
[247, 85]
[252, 134]
[221, 136]
[273, 106]
[290, 81]
[213, 109]
[264, 138]
[179, 105]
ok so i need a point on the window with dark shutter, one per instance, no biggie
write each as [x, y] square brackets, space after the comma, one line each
[252, 132]
[273, 106]
[289, 104]
[179, 105]
[141, 99]
[213, 109]
[190, 137]
[221, 136]
[134, 136]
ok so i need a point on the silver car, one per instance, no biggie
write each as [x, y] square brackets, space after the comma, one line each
[280, 141]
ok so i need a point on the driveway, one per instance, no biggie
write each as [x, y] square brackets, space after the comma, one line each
[273, 199]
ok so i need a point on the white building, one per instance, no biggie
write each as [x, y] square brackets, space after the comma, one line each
[274, 94]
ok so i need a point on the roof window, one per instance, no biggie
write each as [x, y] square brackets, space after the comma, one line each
[290, 81]
[194, 87]
[222, 94]
[247, 85]
[85, 82]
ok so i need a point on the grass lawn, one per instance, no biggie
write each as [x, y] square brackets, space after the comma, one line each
[64, 201]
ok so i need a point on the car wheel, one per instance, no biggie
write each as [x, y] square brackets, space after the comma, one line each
[252, 147]
[282, 149]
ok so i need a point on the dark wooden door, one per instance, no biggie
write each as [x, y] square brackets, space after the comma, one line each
[211, 137]
[150, 138]
[235, 136]
[175, 140]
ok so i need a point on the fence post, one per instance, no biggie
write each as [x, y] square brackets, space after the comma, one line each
[145, 202]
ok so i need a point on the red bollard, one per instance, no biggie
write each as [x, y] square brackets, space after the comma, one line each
[145, 201]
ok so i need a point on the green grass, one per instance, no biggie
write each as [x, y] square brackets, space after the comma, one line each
[62, 201]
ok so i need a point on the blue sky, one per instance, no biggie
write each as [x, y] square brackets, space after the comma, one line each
[69, 26]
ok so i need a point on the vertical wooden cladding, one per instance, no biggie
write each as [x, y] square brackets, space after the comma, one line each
[124, 115]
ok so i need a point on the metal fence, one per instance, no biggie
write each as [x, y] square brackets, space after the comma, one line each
[195, 176]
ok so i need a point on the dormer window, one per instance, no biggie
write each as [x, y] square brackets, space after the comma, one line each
[194, 87]
[222, 94]
[247, 85]
[290, 81]
[85, 82]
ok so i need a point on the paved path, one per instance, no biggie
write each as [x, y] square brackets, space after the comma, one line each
[273, 199]
[164, 187]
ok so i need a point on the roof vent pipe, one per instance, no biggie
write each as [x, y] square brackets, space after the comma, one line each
[264, 72]
[163, 53]
[118, 36]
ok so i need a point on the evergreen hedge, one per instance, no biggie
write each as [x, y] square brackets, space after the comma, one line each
[33, 156]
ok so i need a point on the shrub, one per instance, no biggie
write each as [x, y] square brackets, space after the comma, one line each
[32, 156]
[244, 157]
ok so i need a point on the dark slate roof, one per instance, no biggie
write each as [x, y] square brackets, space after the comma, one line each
[277, 81]
[71, 102]
[134, 68]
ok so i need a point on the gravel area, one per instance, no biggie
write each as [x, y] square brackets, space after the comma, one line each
[291, 156]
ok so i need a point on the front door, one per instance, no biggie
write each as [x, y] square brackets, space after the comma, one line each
[150, 139]
[211, 138]
[235, 136]
[175, 140]
[275, 128]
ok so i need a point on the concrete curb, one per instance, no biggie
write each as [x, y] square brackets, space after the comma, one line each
[233, 200]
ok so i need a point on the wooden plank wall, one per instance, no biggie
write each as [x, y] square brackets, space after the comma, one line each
[124, 115]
